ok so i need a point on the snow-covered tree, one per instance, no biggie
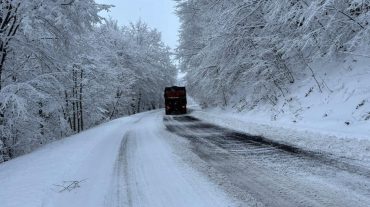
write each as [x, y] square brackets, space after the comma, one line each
[252, 51]
[65, 69]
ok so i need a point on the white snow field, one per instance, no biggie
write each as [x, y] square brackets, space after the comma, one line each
[125, 162]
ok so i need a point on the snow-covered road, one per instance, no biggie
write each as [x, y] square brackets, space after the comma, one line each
[148, 173]
[154, 160]
[126, 162]
[268, 173]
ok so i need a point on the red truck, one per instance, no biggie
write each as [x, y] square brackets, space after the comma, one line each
[175, 100]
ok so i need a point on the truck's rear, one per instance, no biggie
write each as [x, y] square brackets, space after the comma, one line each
[175, 100]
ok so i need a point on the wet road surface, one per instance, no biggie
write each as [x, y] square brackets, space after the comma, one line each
[273, 173]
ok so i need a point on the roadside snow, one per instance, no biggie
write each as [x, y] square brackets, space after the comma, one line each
[354, 148]
[331, 115]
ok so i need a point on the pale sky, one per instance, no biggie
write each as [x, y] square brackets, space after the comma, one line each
[159, 14]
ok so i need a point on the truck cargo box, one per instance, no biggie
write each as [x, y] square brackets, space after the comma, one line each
[175, 100]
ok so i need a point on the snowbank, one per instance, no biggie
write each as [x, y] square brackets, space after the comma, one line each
[331, 115]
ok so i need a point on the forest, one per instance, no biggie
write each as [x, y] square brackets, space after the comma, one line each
[260, 103]
[247, 53]
[64, 69]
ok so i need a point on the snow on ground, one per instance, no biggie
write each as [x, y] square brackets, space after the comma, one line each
[341, 109]
[125, 161]
[157, 178]
[30, 180]
[335, 121]
[255, 172]
[345, 146]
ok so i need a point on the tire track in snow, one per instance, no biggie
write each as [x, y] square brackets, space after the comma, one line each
[153, 177]
[120, 194]
[273, 172]
[226, 138]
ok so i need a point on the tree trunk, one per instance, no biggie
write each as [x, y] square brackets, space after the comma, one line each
[139, 103]
[74, 107]
[80, 100]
